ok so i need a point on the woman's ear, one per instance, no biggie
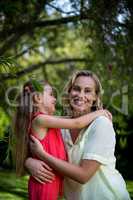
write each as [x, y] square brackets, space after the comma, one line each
[95, 99]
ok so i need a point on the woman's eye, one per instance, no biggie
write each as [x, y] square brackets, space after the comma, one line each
[87, 91]
[76, 88]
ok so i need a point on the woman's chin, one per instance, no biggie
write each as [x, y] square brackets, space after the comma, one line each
[79, 112]
[78, 109]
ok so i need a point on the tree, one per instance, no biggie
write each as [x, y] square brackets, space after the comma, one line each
[50, 39]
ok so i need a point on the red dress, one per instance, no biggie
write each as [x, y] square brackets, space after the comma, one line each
[53, 144]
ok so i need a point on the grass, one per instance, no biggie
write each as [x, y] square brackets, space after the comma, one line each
[12, 188]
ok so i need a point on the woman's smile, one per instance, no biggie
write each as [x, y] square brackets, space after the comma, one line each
[79, 102]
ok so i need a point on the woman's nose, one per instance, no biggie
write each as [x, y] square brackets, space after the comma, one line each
[81, 94]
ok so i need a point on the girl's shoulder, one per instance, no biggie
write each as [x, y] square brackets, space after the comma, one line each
[36, 121]
[36, 117]
[36, 127]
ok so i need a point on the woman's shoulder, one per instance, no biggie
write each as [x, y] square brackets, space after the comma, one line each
[101, 127]
[102, 121]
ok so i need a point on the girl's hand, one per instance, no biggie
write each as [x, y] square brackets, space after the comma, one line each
[39, 170]
[36, 147]
[106, 113]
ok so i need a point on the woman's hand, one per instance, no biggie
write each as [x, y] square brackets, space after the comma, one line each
[36, 147]
[39, 170]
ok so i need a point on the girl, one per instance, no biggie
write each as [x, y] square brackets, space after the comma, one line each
[34, 117]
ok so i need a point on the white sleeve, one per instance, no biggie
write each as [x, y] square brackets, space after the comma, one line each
[100, 141]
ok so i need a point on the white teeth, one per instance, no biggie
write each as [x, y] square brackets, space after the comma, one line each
[78, 102]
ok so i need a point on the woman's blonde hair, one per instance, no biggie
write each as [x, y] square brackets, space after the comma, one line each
[98, 89]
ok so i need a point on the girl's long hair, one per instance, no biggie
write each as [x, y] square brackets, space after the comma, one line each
[22, 122]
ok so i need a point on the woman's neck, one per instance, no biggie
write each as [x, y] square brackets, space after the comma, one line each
[78, 113]
[75, 132]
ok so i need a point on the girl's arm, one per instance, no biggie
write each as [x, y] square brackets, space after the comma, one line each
[48, 121]
[81, 173]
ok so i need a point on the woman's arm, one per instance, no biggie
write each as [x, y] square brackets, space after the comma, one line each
[48, 121]
[39, 170]
[81, 173]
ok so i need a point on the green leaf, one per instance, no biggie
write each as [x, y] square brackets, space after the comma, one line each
[37, 86]
[8, 64]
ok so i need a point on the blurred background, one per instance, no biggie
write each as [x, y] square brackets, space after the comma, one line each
[49, 40]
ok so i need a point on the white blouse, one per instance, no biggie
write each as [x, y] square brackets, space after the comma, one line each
[97, 142]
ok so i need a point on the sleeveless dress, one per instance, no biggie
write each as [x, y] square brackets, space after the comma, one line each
[54, 145]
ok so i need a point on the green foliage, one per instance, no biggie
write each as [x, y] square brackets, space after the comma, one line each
[130, 188]
[38, 87]
[7, 64]
[12, 188]
[4, 121]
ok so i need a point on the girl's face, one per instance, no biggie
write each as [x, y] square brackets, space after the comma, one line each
[48, 100]
[82, 95]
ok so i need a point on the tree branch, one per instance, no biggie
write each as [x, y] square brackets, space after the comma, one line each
[6, 76]
[42, 23]
[24, 28]
[59, 9]
[59, 21]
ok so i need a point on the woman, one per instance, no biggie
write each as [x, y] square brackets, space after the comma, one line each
[91, 173]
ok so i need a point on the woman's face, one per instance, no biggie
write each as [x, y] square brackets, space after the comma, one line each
[82, 95]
